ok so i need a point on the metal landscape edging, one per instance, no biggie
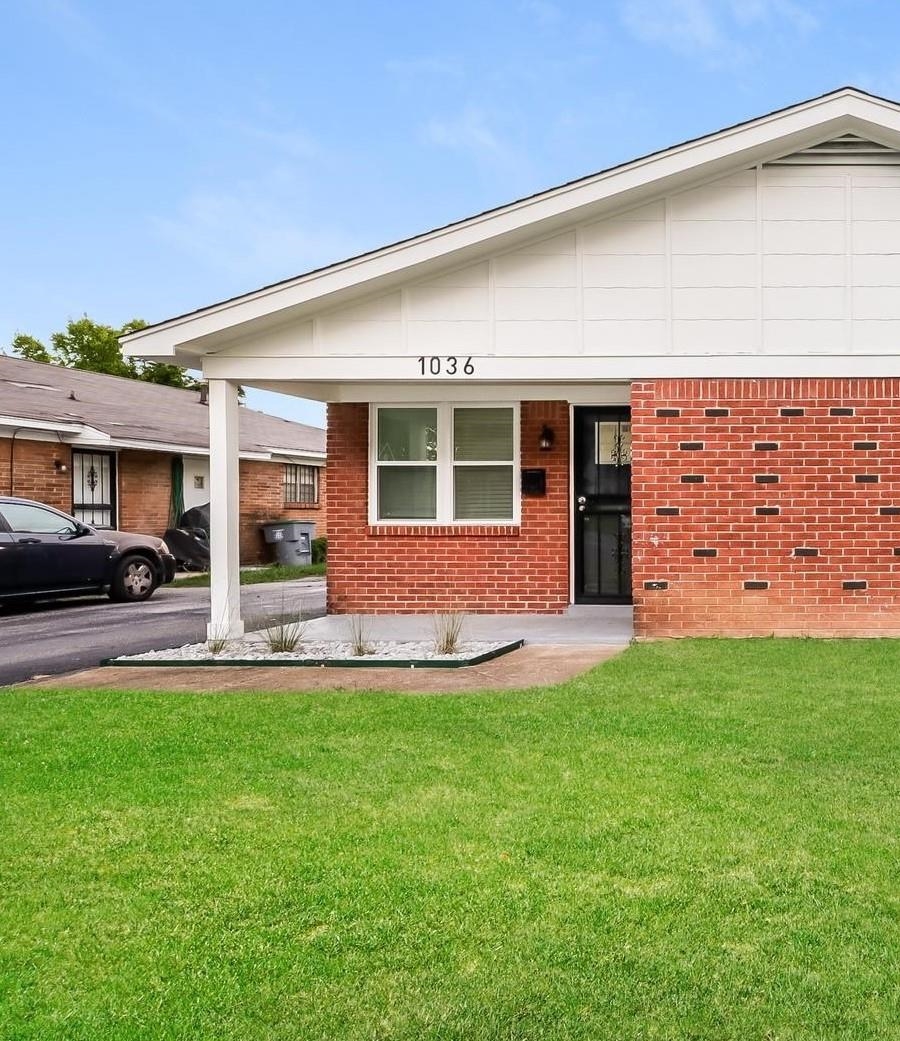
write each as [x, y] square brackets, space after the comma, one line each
[319, 663]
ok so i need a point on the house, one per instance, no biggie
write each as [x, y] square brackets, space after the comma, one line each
[675, 382]
[120, 453]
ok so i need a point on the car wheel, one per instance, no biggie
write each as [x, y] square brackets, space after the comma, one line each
[135, 579]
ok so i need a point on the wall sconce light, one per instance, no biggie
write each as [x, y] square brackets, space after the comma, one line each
[60, 466]
[545, 441]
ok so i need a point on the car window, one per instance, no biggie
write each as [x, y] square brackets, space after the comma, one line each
[36, 520]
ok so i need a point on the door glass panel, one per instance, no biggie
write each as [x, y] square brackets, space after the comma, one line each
[612, 443]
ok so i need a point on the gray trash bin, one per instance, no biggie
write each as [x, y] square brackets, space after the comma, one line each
[292, 540]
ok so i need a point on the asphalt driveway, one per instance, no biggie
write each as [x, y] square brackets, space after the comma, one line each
[51, 638]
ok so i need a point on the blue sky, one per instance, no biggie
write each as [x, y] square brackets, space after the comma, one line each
[162, 156]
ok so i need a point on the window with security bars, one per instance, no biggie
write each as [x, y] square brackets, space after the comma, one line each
[301, 484]
[445, 463]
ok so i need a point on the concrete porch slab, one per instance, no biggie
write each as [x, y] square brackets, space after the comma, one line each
[581, 624]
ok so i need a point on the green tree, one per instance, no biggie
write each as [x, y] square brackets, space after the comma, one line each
[86, 344]
[29, 347]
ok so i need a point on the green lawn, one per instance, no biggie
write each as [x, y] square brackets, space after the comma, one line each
[697, 840]
[272, 573]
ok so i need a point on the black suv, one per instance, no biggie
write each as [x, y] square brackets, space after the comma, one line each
[45, 553]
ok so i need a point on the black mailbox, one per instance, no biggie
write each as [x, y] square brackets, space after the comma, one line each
[534, 482]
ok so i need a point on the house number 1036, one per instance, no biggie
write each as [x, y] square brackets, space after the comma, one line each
[433, 365]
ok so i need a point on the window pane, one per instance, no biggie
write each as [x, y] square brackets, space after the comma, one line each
[482, 433]
[407, 492]
[483, 492]
[407, 434]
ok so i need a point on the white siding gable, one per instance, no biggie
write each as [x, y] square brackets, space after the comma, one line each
[781, 259]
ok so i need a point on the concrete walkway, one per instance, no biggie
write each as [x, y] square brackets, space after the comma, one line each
[558, 648]
[530, 666]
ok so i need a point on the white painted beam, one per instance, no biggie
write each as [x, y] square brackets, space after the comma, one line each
[224, 496]
[566, 369]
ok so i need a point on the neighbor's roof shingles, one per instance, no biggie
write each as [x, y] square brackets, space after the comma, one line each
[130, 410]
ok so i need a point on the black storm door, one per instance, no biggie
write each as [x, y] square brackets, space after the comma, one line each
[94, 488]
[602, 525]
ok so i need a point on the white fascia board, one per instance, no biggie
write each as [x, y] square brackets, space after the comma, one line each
[846, 111]
[566, 369]
[158, 446]
[19, 423]
[300, 455]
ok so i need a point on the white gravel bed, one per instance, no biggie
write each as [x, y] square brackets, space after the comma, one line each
[252, 647]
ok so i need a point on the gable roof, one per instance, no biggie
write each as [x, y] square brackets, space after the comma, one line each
[846, 111]
[94, 407]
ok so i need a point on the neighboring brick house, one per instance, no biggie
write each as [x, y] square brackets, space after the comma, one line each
[125, 454]
[674, 383]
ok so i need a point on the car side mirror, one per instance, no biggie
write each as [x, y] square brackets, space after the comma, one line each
[81, 530]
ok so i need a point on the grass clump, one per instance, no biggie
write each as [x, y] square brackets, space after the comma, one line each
[255, 576]
[359, 628]
[447, 629]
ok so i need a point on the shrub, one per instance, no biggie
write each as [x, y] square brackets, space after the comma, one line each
[319, 550]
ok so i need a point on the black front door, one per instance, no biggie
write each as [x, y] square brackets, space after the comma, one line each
[602, 524]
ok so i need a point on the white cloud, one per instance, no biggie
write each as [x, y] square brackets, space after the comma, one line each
[467, 132]
[715, 30]
[427, 66]
[542, 11]
[253, 230]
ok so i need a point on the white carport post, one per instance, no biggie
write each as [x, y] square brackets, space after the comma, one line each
[224, 499]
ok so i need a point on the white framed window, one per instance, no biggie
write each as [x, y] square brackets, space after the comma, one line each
[444, 464]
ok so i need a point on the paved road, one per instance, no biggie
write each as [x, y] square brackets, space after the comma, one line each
[51, 638]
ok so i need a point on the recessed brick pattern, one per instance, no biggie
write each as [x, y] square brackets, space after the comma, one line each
[668, 413]
[706, 552]
[754, 584]
[656, 585]
[854, 584]
[806, 551]
[715, 413]
[667, 511]
[766, 446]
[390, 569]
[816, 424]
[866, 478]
[690, 478]
[691, 446]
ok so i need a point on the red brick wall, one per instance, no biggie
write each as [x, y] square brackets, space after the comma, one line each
[402, 569]
[33, 474]
[830, 527]
[262, 499]
[145, 491]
